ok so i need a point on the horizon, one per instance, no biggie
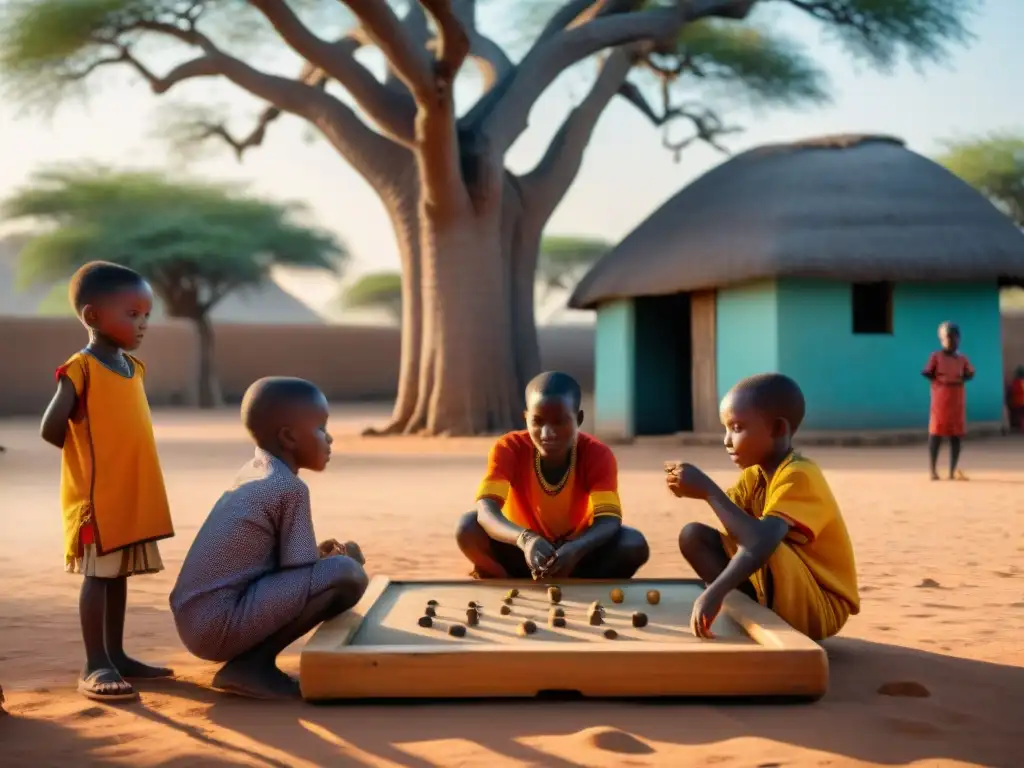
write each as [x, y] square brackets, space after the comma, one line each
[971, 94]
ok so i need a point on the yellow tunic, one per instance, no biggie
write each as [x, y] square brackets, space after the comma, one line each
[814, 575]
[111, 481]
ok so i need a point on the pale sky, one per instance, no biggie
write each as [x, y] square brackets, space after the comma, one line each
[626, 173]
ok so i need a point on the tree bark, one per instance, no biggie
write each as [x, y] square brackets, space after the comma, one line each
[209, 390]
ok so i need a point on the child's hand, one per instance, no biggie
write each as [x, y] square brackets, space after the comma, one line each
[330, 548]
[351, 549]
[686, 481]
[538, 552]
[706, 608]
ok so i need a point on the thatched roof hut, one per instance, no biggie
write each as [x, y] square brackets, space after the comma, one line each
[851, 208]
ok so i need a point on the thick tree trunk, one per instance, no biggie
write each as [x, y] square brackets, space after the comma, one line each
[209, 391]
[467, 381]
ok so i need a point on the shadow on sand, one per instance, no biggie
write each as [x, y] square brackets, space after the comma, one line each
[971, 715]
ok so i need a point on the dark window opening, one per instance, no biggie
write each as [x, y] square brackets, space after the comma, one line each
[872, 308]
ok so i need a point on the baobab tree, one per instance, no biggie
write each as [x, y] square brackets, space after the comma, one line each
[468, 230]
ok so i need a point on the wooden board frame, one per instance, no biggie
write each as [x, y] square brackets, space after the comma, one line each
[780, 661]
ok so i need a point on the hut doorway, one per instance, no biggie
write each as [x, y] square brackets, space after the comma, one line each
[663, 378]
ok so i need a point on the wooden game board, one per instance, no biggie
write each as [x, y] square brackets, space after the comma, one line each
[378, 650]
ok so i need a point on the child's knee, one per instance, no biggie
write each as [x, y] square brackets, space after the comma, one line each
[469, 534]
[633, 547]
[350, 583]
[696, 539]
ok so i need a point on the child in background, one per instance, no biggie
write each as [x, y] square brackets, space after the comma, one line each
[254, 580]
[113, 499]
[948, 371]
[785, 543]
[1015, 400]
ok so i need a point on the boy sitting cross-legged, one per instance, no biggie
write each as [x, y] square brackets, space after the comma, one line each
[785, 543]
[549, 504]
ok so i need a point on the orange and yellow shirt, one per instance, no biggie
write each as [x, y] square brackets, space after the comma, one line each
[799, 494]
[589, 489]
[111, 486]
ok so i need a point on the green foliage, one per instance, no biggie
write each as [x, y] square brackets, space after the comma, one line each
[994, 165]
[563, 259]
[376, 290]
[194, 242]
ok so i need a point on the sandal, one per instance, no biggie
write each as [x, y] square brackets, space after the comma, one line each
[95, 687]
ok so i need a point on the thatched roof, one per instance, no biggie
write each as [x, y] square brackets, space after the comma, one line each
[852, 208]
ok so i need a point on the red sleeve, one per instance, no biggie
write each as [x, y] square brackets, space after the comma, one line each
[932, 367]
[601, 479]
[502, 468]
[968, 368]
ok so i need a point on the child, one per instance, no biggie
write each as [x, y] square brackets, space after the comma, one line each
[114, 503]
[1015, 400]
[948, 370]
[785, 543]
[549, 503]
[255, 580]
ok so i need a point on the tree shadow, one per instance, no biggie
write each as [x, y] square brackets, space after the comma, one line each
[970, 714]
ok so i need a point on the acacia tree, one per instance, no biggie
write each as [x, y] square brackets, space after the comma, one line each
[993, 165]
[467, 229]
[194, 243]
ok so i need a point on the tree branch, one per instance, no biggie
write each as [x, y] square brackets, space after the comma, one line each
[411, 62]
[507, 117]
[489, 57]
[368, 152]
[392, 112]
[546, 185]
[707, 125]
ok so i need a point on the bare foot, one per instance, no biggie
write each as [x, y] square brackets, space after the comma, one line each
[133, 669]
[935, 475]
[958, 475]
[255, 680]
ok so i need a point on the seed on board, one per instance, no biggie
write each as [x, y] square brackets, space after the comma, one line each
[555, 594]
[617, 595]
[505, 610]
[639, 619]
[457, 630]
[430, 611]
[654, 597]
[425, 621]
[512, 593]
[611, 634]
[472, 617]
[526, 628]
[595, 618]
[557, 621]
[431, 602]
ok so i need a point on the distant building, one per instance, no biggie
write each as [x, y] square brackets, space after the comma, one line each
[269, 303]
[831, 260]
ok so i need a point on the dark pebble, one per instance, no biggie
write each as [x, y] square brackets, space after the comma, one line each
[457, 630]
[425, 621]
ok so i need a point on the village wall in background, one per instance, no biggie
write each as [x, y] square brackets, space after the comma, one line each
[349, 362]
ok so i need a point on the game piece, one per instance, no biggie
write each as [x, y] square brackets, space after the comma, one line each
[430, 611]
[473, 604]
[472, 617]
[654, 597]
[595, 618]
[526, 628]
[508, 601]
[505, 610]
[557, 612]
[611, 634]
[431, 602]
[555, 594]
[457, 630]
[596, 606]
[557, 621]
[425, 621]
[617, 595]
[639, 619]
[512, 593]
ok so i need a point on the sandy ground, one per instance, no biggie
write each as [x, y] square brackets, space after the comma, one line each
[942, 574]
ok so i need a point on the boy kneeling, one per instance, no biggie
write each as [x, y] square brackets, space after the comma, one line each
[549, 504]
[785, 543]
[255, 580]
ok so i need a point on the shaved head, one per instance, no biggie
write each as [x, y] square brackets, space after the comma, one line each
[773, 396]
[555, 384]
[271, 403]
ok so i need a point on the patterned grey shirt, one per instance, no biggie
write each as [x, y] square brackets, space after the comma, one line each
[253, 565]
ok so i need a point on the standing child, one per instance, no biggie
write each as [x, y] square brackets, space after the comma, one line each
[948, 371]
[112, 489]
[785, 543]
[254, 580]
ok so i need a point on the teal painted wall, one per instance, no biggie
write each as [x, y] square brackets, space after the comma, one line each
[874, 381]
[614, 365]
[747, 319]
